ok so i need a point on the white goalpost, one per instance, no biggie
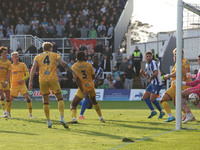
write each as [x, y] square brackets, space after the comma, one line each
[187, 37]
[179, 46]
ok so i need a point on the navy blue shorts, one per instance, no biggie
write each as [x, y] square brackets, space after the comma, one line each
[155, 89]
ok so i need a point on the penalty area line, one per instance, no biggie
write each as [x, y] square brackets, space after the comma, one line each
[142, 139]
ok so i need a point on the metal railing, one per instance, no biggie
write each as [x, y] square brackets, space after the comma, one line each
[63, 43]
[5, 42]
[24, 41]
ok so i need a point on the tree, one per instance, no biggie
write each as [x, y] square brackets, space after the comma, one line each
[139, 33]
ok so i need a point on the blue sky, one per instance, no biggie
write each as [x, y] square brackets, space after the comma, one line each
[161, 14]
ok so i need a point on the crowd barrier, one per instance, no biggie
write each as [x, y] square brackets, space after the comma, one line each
[101, 95]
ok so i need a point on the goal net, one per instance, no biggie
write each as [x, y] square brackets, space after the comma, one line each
[188, 35]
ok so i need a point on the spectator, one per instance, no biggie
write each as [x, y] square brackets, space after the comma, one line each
[108, 78]
[83, 18]
[118, 84]
[111, 83]
[35, 23]
[4, 28]
[124, 66]
[102, 33]
[89, 60]
[92, 33]
[129, 77]
[115, 72]
[59, 74]
[1, 32]
[35, 31]
[52, 31]
[85, 11]
[55, 47]
[19, 49]
[84, 32]
[105, 64]
[108, 53]
[36, 79]
[9, 54]
[118, 58]
[71, 62]
[110, 30]
[103, 9]
[44, 23]
[72, 55]
[130, 60]
[99, 48]
[61, 68]
[103, 86]
[100, 28]
[137, 59]
[32, 49]
[59, 28]
[45, 32]
[155, 56]
[83, 48]
[90, 25]
[10, 31]
[19, 30]
[96, 24]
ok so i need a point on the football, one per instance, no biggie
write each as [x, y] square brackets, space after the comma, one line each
[194, 98]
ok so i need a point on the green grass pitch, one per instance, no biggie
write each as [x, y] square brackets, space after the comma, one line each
[123, 119]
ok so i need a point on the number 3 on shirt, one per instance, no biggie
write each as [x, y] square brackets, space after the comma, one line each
[84, 74]
[46, 60]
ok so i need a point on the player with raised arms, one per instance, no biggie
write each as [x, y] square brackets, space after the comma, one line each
[152, 73]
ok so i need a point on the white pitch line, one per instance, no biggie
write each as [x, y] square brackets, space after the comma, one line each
[142, 139]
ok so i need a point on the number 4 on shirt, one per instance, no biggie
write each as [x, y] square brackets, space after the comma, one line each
[46, 60]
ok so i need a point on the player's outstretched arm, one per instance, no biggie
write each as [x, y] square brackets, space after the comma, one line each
[33, 70]
[66, 66]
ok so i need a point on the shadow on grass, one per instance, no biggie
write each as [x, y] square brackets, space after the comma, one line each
[148, 127]
[40, 121]
[95, 133]
[145, 122]
[14, 132]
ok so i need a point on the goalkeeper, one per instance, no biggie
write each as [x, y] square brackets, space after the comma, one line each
[99, 80]
[195, 88]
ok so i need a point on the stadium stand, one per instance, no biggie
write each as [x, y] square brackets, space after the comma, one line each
[62, 18]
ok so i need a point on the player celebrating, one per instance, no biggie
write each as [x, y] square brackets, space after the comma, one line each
[86, 75]
[152, 73]
[99, 79]
[5, 65]
[171, 92]
[19, 74]
[194, 89]
[48, 79]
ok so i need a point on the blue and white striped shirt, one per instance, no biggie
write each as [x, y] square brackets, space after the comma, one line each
[150, 69]
[98, 73]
